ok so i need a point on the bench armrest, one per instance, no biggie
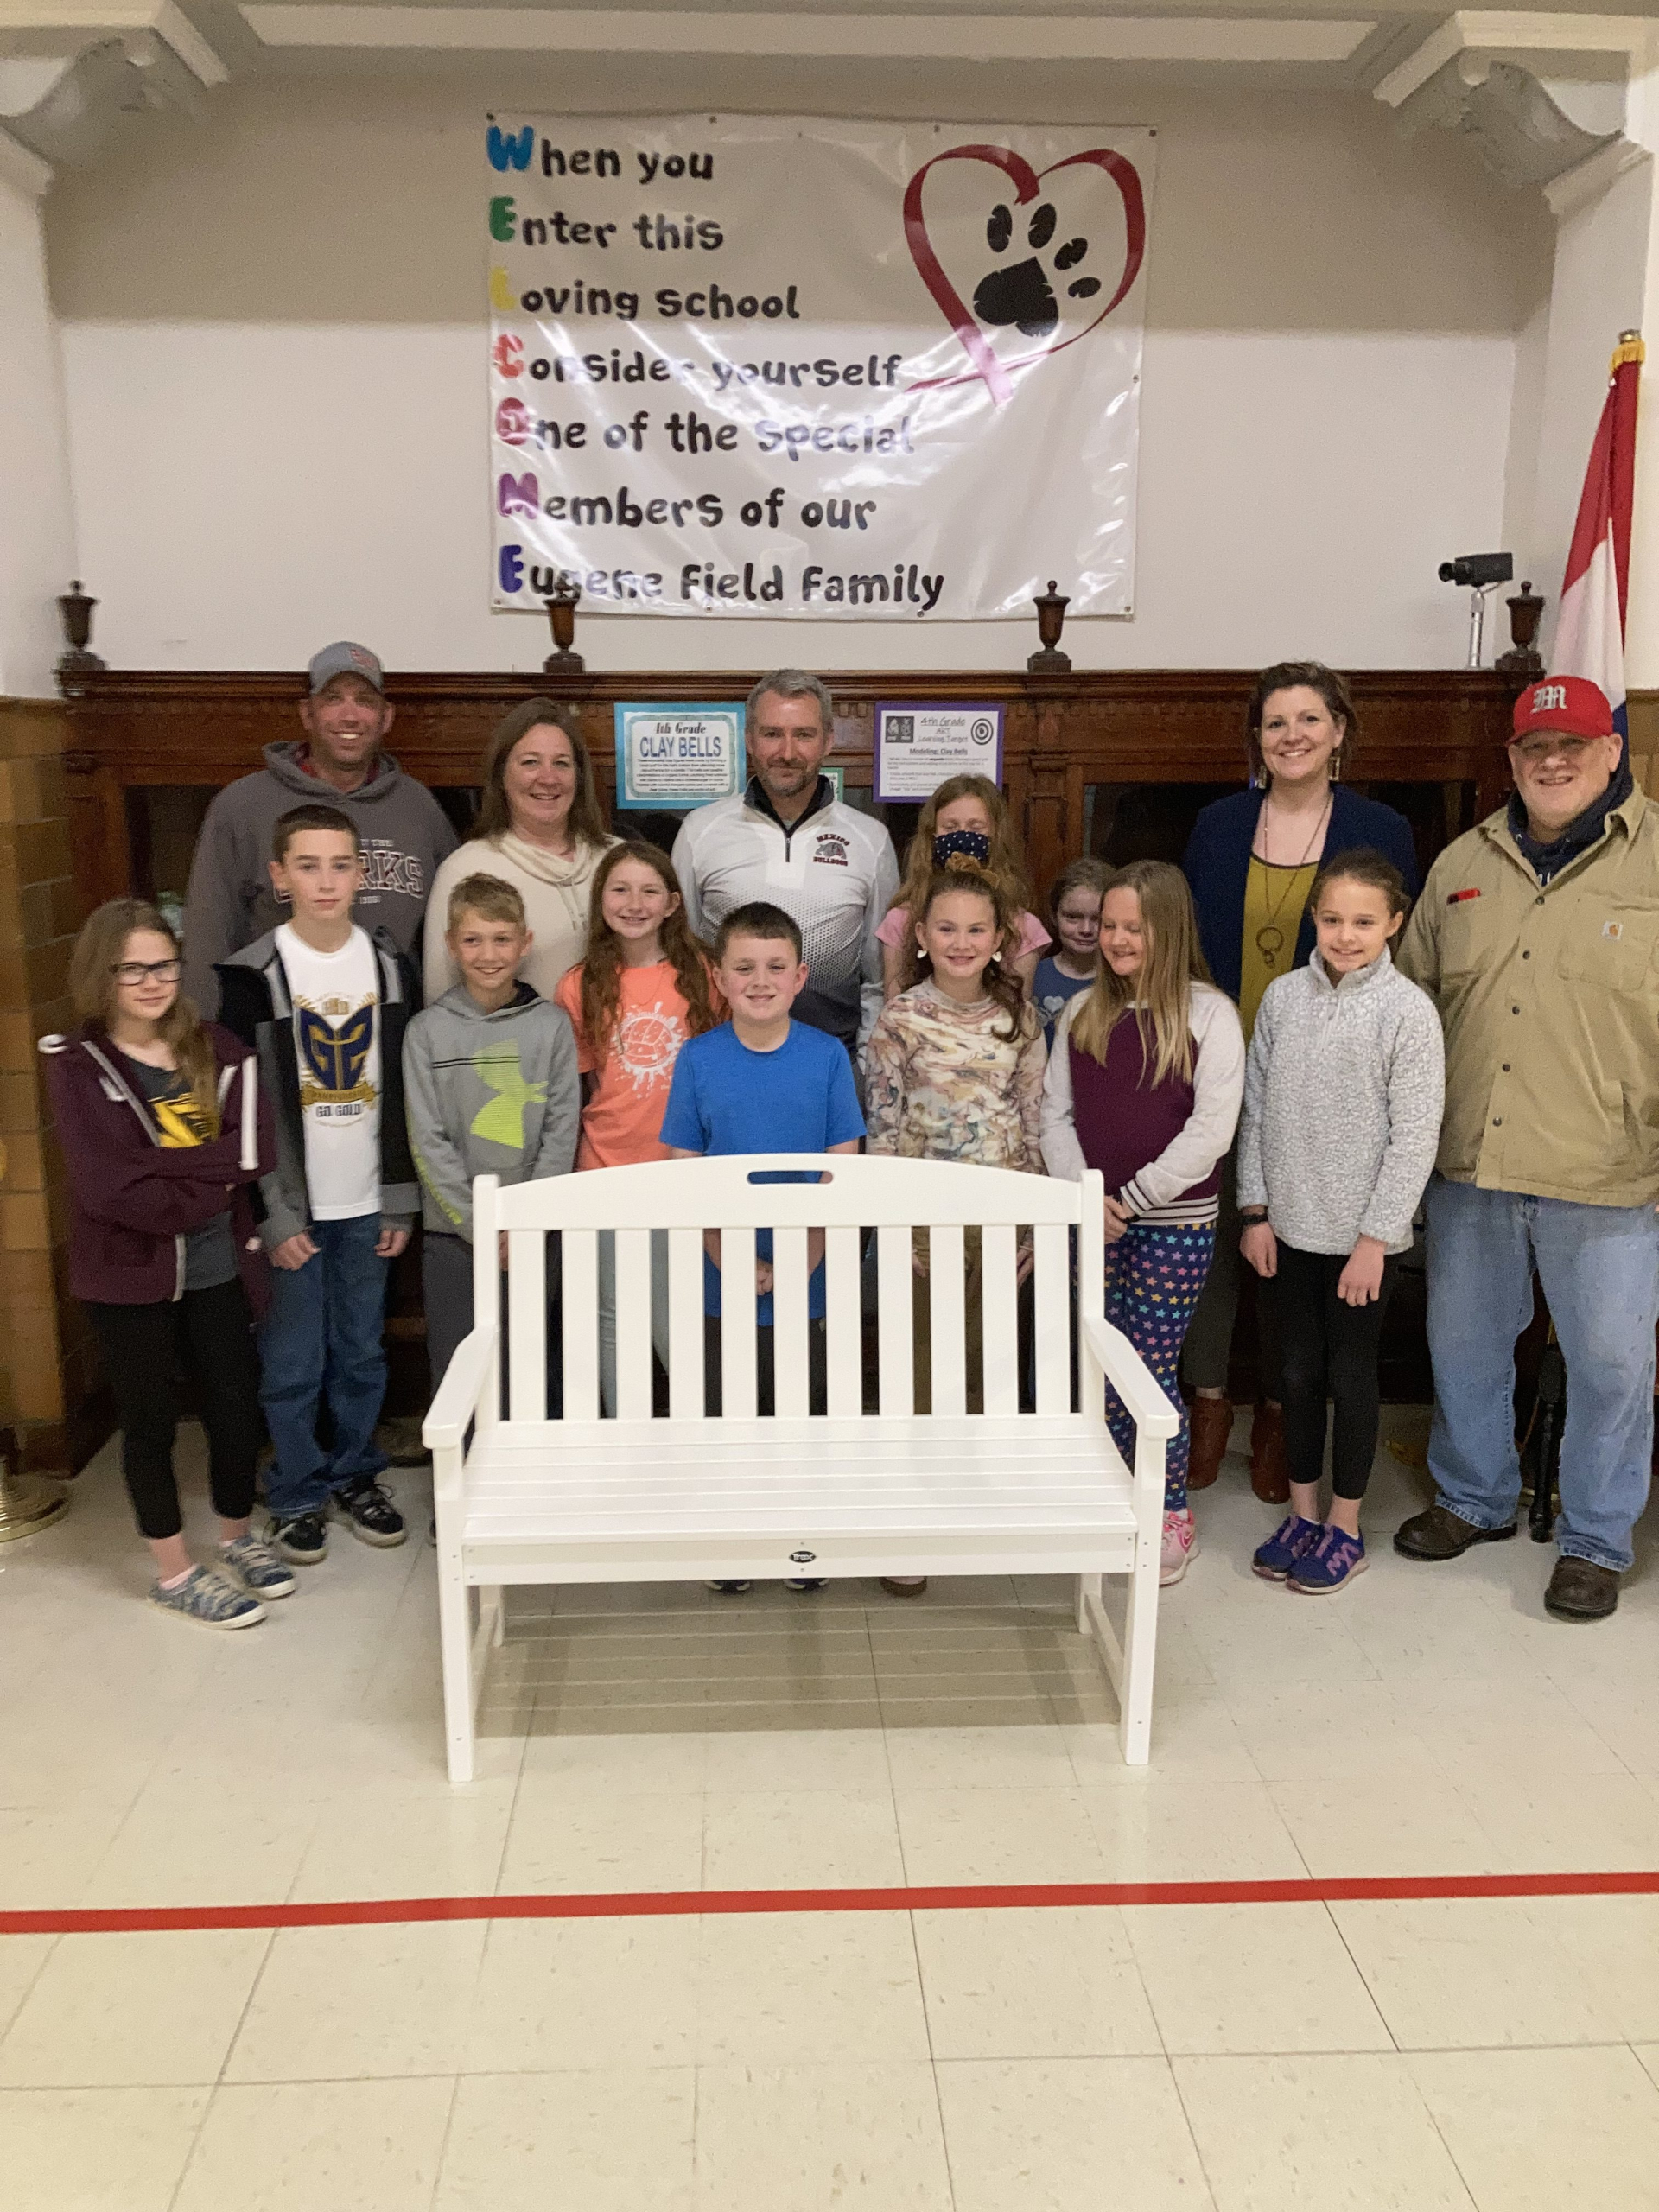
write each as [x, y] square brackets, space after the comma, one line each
[459, 1391]
[1130, 1376]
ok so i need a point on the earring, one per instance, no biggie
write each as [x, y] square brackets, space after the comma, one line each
[1336, 765]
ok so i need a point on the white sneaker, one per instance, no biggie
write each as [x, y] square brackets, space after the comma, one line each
[1180, 1545]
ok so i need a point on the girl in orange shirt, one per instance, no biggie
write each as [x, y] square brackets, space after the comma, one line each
[642, 987]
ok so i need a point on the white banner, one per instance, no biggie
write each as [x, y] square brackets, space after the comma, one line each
[786, 367]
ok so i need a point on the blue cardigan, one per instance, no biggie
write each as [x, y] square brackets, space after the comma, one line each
[1218, 863]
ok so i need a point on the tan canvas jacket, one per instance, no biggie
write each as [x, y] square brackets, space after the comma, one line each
[1550, 1002]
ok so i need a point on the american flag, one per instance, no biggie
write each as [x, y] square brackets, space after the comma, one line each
[1595, 588]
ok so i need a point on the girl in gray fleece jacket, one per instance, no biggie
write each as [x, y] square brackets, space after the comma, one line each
[1342, 1091]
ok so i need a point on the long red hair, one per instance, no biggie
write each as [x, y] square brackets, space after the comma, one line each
[601, 961]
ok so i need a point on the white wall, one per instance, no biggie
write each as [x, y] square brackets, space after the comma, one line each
[36, 547]
[275, 349]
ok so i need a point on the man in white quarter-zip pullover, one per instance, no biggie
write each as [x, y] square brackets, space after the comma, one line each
[789, 841]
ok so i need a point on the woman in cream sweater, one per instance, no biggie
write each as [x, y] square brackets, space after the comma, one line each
[539, 829]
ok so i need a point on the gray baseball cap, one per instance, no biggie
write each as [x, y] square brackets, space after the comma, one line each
[345, 659]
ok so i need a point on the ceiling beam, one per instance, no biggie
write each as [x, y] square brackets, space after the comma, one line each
[888, 37]
[83, 20]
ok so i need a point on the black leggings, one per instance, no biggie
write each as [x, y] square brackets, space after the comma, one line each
[1329, 1351]
[145, 1349]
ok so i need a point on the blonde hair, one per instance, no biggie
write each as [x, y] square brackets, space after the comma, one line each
[488, 897]
[1001, 983]
[1162, 995]
[1005, 863]
[101, 944]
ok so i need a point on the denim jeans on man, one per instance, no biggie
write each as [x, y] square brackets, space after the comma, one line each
[1599, 1267]
[322, 1341]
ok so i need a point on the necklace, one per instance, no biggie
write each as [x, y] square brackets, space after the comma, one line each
[1270, 938]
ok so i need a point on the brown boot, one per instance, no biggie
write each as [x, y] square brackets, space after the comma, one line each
[1269, 1469]
[1211, 1424]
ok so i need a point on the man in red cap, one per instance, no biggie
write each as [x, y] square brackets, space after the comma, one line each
[1537, 936]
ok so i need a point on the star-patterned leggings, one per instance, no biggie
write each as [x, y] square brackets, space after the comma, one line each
[1153, 1276]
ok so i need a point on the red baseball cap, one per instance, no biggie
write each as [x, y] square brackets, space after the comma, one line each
[1569, 704]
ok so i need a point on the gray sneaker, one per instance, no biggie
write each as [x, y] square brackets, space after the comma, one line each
[208, 1598]
[257, 1568]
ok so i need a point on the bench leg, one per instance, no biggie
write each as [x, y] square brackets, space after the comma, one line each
[1088, 1585]
[455, 1640]
[1141, 1628]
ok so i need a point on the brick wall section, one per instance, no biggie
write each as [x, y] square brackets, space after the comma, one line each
[48, 1373]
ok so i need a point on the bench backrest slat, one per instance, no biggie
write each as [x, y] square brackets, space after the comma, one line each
[956, 1215]
[1053, 1319]
[527, 1324]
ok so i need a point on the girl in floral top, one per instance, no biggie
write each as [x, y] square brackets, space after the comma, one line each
[954, 1071]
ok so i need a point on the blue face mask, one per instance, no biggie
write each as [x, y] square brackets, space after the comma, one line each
[972, 844]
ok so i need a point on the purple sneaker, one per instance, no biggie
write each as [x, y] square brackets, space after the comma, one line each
[1290, 1541]
[1333, 1563]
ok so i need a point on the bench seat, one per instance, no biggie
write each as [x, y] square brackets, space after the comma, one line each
[607, 1501]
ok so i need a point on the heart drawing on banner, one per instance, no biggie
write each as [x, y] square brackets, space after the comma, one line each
[1034, 262]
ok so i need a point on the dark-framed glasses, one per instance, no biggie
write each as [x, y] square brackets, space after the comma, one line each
[142, 971]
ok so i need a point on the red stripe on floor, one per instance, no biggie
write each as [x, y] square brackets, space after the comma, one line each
[358, 1912]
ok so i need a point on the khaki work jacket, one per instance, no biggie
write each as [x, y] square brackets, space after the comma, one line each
[1550, 1001]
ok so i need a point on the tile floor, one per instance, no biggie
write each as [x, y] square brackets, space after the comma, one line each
[1499, 2055]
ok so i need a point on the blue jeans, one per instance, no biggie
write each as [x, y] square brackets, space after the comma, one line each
[321, 1340]
[1599, 1267]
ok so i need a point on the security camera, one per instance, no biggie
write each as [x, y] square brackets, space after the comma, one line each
[1478, 571]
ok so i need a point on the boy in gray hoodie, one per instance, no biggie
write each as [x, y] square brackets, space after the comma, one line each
[491, 1088]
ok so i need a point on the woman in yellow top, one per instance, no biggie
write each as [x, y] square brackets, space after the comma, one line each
[1251, 861]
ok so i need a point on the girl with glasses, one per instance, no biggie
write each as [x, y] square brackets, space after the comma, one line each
[164, 1134]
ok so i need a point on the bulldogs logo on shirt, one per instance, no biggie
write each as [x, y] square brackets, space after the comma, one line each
[830, 850]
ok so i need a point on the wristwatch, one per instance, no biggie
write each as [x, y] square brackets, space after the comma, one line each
[1251, 1215]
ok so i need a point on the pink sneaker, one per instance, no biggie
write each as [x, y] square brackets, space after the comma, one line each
[1180, 1544]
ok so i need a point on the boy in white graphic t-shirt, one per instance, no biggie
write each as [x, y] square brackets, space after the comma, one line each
[325, 1006]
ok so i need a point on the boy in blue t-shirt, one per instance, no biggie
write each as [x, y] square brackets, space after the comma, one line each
[761, 1083]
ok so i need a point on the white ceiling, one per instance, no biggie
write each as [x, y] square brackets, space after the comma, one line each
[71, 57]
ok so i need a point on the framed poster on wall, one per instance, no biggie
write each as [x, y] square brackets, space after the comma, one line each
[918, 744]
[680, 755]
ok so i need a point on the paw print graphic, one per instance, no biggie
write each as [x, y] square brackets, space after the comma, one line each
[1023, 292]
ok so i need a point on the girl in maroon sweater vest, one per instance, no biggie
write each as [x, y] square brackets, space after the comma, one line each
[1144, 1084]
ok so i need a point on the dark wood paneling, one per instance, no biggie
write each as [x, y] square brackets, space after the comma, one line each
[134, 727]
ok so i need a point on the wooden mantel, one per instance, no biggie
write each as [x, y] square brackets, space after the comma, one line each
[133, 729]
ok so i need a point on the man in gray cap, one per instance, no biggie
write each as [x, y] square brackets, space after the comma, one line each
[406, 832]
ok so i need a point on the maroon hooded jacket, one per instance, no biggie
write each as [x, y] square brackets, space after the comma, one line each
[133, 1198]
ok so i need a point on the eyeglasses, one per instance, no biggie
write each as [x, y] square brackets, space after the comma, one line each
[141, 971]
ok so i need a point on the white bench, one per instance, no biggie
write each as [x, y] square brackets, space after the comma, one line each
[688, 1496]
